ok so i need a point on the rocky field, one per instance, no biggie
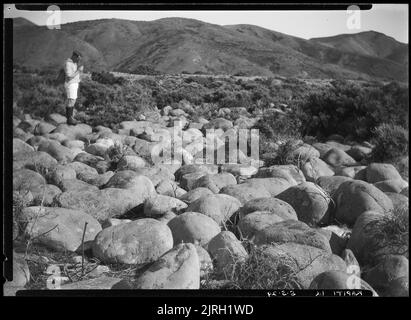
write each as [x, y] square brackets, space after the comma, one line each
[93, 210]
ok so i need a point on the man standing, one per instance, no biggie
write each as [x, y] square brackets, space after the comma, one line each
[72, 71]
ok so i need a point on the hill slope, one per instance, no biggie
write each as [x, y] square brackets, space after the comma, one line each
[174, 45]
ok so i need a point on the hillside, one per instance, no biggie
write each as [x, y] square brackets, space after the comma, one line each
[175, 45]
[369, 43]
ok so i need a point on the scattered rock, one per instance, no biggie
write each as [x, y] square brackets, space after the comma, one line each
[355, 197]
[309, 201]
[193, 227]
[179, 268]
[137, 242]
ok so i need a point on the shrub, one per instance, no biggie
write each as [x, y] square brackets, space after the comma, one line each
[107, 78]
[144, 69]
[391, 142]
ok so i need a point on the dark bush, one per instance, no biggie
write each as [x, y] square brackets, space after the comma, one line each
[391, 142]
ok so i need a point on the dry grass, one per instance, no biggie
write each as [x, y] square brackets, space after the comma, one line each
[258, 271]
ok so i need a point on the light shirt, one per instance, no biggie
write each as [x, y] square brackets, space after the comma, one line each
[70, 68]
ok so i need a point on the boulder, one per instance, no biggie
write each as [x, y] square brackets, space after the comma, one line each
[377, 172]
[316, 168]
[131, 163]
[355, 197]
[206, 264]
[59, 228]
[170, 188]
[289, 172]
[101, 204]
[337, 158]
[392, 185]
[195, 194]
[399, 287]
[304, 262]
[273, 185]
[369, 241]
[157, 205]
[38, 161]
[292, 231]
[215, 182]
[193, 227]
[21, 146]
[179, 268]
[354, 172]
[245, 192]
[132, 181]
[389, 268]
[138, 242]
[359, 152]
[61, 153]
[273, 205]
[399, 201]
[309, 201]
[256, 221]
[227, 251]
[219, 207]
[59, 173]
[331, 184]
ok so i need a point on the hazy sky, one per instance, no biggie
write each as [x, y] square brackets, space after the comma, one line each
[390, 19]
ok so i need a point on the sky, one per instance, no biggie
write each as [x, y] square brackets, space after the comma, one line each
[390, 19]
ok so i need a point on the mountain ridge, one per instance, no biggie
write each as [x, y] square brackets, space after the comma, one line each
[174, 45]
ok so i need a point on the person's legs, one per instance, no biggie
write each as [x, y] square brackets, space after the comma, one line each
[70, 111]
[71, 91]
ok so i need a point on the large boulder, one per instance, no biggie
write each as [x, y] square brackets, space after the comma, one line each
[59, 173]
[256, 221]
[309, 201]
[193, 227]
[101, 204]
[219, 207]
[316, 168]
[37, 161]
[138, 242]
[276, 206]
[61, 153]
[389, 268]
[369, 240]
[292, 231]
[59, 228]
[376, 172]
[215, 182]
[179, 268]
[227, 251]
[399, 201]
[76, 132]
[245, 192]
[195, 194]
[289, 172]
[354, 172]
[274, 186]
[392, 185]
[337, 158]
[132, 181]
[331, 184]
[355, 197]
[158, 205]
[304, 262]
[21, 146]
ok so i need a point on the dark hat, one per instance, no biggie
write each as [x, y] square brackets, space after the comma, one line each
[77, 53]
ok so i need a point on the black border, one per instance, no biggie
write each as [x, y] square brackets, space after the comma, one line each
[177, 298]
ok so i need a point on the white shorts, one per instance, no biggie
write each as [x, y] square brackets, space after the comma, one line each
[71, 90]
